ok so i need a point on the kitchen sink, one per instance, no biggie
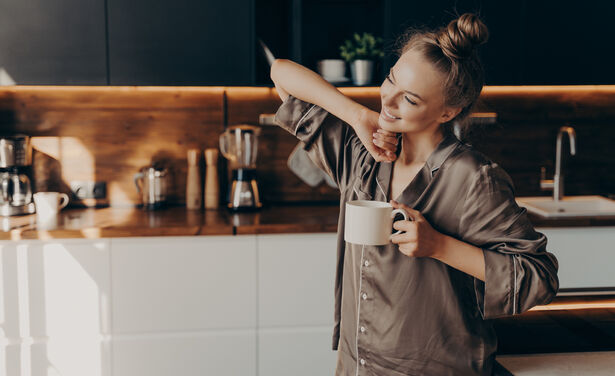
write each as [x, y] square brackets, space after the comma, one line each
[570, 206]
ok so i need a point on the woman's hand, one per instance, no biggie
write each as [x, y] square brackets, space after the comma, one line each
[379, 143]
[419, 239]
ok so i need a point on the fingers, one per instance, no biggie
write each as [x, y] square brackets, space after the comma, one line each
[415, 215]
[404, 225]
[387, 143]
[386, 139]
[384, 155]
[403, 238]
[386, 133]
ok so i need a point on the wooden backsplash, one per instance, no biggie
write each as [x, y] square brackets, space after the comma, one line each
[108, 133]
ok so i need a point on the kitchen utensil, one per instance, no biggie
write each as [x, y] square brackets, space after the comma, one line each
[194, 195]
[15, 171]
[152, 184]
[370, 222]
[239, 144]
[212, 190]
[48, 204]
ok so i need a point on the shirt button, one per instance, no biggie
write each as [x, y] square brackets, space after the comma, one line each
[366, 263]
[362, 361]
[364, 296]
[362, 329]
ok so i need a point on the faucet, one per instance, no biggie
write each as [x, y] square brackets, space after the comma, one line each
[557, 183]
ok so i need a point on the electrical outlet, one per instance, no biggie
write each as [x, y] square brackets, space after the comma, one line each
[88, 189]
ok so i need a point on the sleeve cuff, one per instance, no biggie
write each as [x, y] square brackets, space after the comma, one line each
[302, 119]
[495, 297]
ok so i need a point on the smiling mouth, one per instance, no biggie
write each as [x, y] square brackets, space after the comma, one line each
[388, 115]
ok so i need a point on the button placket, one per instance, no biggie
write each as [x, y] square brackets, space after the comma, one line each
[361, 329]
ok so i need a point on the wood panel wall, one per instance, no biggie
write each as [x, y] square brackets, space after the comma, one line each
[108, 133]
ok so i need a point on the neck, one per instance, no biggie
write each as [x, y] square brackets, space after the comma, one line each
[417, 147]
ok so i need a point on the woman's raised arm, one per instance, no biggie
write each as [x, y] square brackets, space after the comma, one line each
[302, 83]
[294, 79]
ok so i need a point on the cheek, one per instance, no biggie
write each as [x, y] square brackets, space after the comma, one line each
[417, 114]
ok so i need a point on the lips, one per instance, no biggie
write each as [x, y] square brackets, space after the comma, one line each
[386, 115]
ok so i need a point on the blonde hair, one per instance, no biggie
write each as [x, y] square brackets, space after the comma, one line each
[453, 51]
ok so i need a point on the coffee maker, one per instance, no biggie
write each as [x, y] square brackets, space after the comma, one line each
[15, 172]
[239, 144]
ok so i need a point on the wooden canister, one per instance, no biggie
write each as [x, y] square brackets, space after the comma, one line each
[212, 190]
[194, 194]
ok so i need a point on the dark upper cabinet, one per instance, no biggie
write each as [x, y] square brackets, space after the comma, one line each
[501, 55]
[196, 42]
[59, 42]
[550, 42]
[180, 42]
[568, 42]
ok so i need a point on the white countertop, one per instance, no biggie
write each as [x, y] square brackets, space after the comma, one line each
[560, 364]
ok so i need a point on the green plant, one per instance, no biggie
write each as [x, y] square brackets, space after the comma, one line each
[364, 46]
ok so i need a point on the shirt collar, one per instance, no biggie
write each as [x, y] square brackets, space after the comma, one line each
[446, 146]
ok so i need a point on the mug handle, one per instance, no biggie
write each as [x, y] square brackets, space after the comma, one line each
[402, 212]
[63, 201]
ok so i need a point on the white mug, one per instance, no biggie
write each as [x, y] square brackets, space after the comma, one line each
[370, 222]
[48, 204]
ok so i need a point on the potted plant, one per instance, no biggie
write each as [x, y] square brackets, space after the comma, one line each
[360, 51]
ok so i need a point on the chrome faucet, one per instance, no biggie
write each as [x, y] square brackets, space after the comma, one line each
[557, 183]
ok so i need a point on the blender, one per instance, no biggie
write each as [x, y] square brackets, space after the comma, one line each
[239, 144]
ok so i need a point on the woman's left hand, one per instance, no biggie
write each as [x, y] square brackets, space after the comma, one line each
[419, 238]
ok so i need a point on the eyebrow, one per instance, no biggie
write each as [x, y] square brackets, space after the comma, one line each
[407, 91]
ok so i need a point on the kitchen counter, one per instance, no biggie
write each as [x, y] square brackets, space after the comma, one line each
[177, 221]
[173, 221]
[560, 364]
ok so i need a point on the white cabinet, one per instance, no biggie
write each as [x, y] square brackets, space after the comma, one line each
[216, 353]
[55, 307]
[183, 283]
[296, 279]
[586, 255]
[210, 305]
[184, 305]
[301, 351]
[296, 274]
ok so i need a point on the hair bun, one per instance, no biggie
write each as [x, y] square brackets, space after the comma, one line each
[461, 37]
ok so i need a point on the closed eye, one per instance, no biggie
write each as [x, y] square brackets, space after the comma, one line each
[410, 101]
[406, 98]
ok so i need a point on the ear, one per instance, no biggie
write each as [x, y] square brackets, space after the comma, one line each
[449, 113]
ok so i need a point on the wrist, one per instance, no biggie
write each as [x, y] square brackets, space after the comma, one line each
[443, 246]
[357, 115]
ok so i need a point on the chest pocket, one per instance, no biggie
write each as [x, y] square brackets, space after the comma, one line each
[360, 185]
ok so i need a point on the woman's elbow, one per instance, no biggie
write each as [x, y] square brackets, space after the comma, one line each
[275, 68]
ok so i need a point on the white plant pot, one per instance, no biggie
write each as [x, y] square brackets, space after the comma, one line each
[361, 71]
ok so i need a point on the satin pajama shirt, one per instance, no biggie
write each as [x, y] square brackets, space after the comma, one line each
[400, 315]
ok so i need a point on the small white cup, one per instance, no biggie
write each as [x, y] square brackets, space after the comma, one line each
[48, 204]
[370, 222]
[332, 68]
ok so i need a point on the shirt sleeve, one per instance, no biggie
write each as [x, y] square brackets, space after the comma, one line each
[330, 142]
[519, 272]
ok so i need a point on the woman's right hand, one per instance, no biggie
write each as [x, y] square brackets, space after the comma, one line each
[381, 144]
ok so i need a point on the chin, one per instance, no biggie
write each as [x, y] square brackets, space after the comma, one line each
[388, 126]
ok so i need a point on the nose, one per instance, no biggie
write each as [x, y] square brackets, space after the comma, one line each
[388, 96]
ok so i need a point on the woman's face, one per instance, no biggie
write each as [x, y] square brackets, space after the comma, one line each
[413, 98]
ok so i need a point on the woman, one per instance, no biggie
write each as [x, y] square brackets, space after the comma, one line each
[420, 305]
